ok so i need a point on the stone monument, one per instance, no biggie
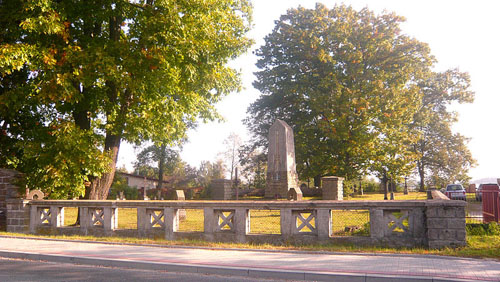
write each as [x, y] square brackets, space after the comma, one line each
[332, 188]
[222, 189]
[281, 172]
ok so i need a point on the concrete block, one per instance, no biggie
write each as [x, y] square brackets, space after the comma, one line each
[433, 234]
[446, 211]
[432, 212]
[457, 223]
[447, 234]
[460, 212]
[461, 235]
[437, 223]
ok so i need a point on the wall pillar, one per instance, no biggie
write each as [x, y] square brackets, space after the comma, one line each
[209, 222]
[324, 223]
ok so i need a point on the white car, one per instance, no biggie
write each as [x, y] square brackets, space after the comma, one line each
[455, 192]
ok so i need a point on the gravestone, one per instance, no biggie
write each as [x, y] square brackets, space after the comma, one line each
[332, 188]
[281, 172]
[35, 195]
[179, 196]
[294, 194]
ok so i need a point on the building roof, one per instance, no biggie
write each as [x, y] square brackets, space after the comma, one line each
[140, 176]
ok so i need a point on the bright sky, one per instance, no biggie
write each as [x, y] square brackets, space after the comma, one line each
[461, 34]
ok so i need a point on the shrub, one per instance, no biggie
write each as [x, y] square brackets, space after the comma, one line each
[483, 229]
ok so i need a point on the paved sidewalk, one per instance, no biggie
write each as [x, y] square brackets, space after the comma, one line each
[252, 263]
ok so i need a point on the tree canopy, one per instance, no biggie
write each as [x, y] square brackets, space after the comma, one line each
[443, 155]
[347, 82]
[78, 77]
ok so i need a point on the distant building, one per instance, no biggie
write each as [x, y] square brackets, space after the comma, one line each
[141, 182]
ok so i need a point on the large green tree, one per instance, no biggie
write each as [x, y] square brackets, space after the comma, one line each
[106, 71]
[443, 156]
[167, 160]
[345, 80]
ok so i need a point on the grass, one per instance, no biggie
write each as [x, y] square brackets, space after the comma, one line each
[397, 196]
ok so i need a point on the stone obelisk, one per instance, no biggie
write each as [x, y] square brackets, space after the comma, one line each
[281, 172]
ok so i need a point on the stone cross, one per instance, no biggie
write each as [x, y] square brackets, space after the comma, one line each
[281, 172]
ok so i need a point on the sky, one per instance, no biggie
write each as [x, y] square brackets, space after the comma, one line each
[461, 34]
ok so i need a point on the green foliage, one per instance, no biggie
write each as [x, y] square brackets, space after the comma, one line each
[254, 166]
[60, 158]
[488, 229]
[370, 185]
[346, 81]
[116, 70]
[443, 155]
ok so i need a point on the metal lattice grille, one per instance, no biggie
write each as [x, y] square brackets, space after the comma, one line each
[265, 222]
[350, 223]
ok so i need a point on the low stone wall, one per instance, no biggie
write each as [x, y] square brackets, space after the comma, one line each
[433, 224]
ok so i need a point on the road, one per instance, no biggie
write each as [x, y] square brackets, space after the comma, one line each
[24, 270]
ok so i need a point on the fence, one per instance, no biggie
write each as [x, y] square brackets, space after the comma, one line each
[433, 223]
[491, 203]
[474, 209]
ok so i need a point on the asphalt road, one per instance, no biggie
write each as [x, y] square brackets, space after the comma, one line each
[25, 270]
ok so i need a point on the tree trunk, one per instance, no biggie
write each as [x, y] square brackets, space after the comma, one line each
[384, 181]
[99, 188]
[406, 188]
[421, 174]
[317, 181]
[161, 165]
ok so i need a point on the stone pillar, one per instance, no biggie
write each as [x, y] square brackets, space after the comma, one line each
[332, 188]
[85, 219]
[324, 223]
[142, 221]
[222, 189]
[110, 219]
[18, 215]
[171, 221]
[209, 223]
[241, 224]
[56, 216]
[377, 227]
[8, 190]
[286, 222]
[445, 221]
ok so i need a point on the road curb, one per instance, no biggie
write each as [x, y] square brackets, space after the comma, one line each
[223, 270]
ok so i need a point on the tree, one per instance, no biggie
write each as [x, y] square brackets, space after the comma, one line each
[346, 83]
[443, 155]
[233, 143]
[110, 71]
[167, 160]
[209, 171]
[254, 166]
